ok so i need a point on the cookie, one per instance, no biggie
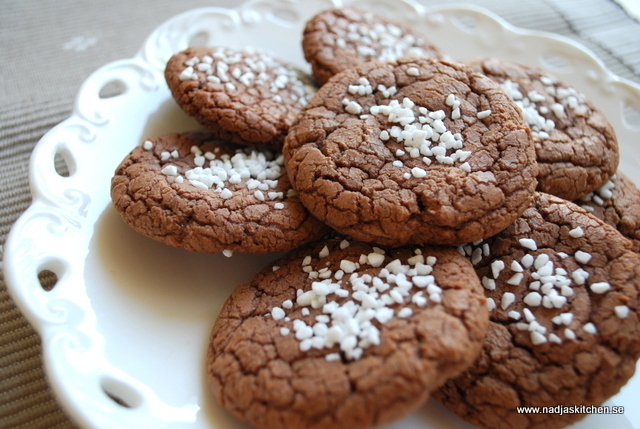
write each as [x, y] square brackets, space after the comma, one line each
[617, 202]
[563, 288]
[196, 191]
[576, 147]
[412, 152]
[337, 39]
[342, 334]
[247, 97]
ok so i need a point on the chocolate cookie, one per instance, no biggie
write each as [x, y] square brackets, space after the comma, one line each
[195, 191]
[412, 152]
[343, 334]
[337, 39]
[562, 288]
[617, 202]
[247, 97]
[576, 147]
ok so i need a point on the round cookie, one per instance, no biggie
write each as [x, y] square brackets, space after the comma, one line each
[576, 147]
[342, 334]
[562, 288]
[247, 97]
[412, 152]
[195, 191]
[337, 39]
[617, 202]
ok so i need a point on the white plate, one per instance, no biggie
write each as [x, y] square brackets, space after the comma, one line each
[129, 317]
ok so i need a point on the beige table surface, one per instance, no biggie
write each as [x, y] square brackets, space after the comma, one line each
[48, 48]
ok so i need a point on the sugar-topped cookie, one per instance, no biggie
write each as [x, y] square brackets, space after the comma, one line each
[344, 334]
[617, 202]
[576, 147]
[337, 39]
[196, 191]
[411, 152]
[247, 97]
[563, 289]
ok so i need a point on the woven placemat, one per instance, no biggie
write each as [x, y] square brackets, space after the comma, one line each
[25, 398]
[47, 64]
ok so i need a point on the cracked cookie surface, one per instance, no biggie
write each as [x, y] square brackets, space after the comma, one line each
[412, 152]
[195, 191]
[337, 39]
[576, 147]
[246, 97]
[617, 202]
[341, 334]
[562, 288]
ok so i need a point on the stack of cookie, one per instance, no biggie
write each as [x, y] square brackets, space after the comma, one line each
[425, 205]
[225, 189]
